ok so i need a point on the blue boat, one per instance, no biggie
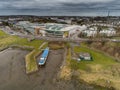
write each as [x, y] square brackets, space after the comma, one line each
[44, 56]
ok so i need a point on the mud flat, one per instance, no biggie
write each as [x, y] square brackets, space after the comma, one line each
[13, 76]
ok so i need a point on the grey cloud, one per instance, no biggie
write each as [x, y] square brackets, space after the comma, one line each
[45, 3]
[65, 5]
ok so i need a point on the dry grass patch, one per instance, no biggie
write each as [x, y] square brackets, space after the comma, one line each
[66, 71]
[109, 77]
[56, 45]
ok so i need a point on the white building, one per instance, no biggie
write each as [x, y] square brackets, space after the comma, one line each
[108, 32]
[74, 29]
[85, 56]
[90, 32]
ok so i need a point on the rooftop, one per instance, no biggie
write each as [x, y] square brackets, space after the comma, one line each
[85, 54]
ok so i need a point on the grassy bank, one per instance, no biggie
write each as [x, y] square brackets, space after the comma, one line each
[65, 72]
[2, 33]
[11, 40]
[7, 40]
[110, 48]
[103, 70]
[30, 59]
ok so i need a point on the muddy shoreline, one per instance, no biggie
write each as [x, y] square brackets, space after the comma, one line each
[13, 76]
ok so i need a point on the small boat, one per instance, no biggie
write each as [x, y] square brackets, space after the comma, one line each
[43, 57]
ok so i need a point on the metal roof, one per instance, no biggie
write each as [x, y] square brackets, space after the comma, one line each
[45, 53]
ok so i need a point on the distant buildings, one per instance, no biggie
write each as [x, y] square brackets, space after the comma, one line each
[93, 31]
[50, 29]
[108, 32]
[67, 21]
[26, 26]
[90, 32]
[64, 30]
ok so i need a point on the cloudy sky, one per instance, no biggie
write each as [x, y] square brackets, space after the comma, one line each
[59, 7]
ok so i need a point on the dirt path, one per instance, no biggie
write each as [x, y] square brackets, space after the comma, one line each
[42, 45]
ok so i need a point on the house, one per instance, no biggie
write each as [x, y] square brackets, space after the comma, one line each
[91, 32]
[85, 56]
[108, 32]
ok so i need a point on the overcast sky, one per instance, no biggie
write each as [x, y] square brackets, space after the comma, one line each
[60, 5]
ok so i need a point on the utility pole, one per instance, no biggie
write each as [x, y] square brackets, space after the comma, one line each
[108, 13]
[108, 17]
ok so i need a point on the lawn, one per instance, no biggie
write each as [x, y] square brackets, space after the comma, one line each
[98, 58]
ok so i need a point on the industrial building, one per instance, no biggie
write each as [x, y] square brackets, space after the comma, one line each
[50, 29]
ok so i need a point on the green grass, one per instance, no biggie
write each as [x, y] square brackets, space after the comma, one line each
[2, 33]
[10, 40]
[44, 46]
[98, 58]
[68, 57]
[35, 43]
